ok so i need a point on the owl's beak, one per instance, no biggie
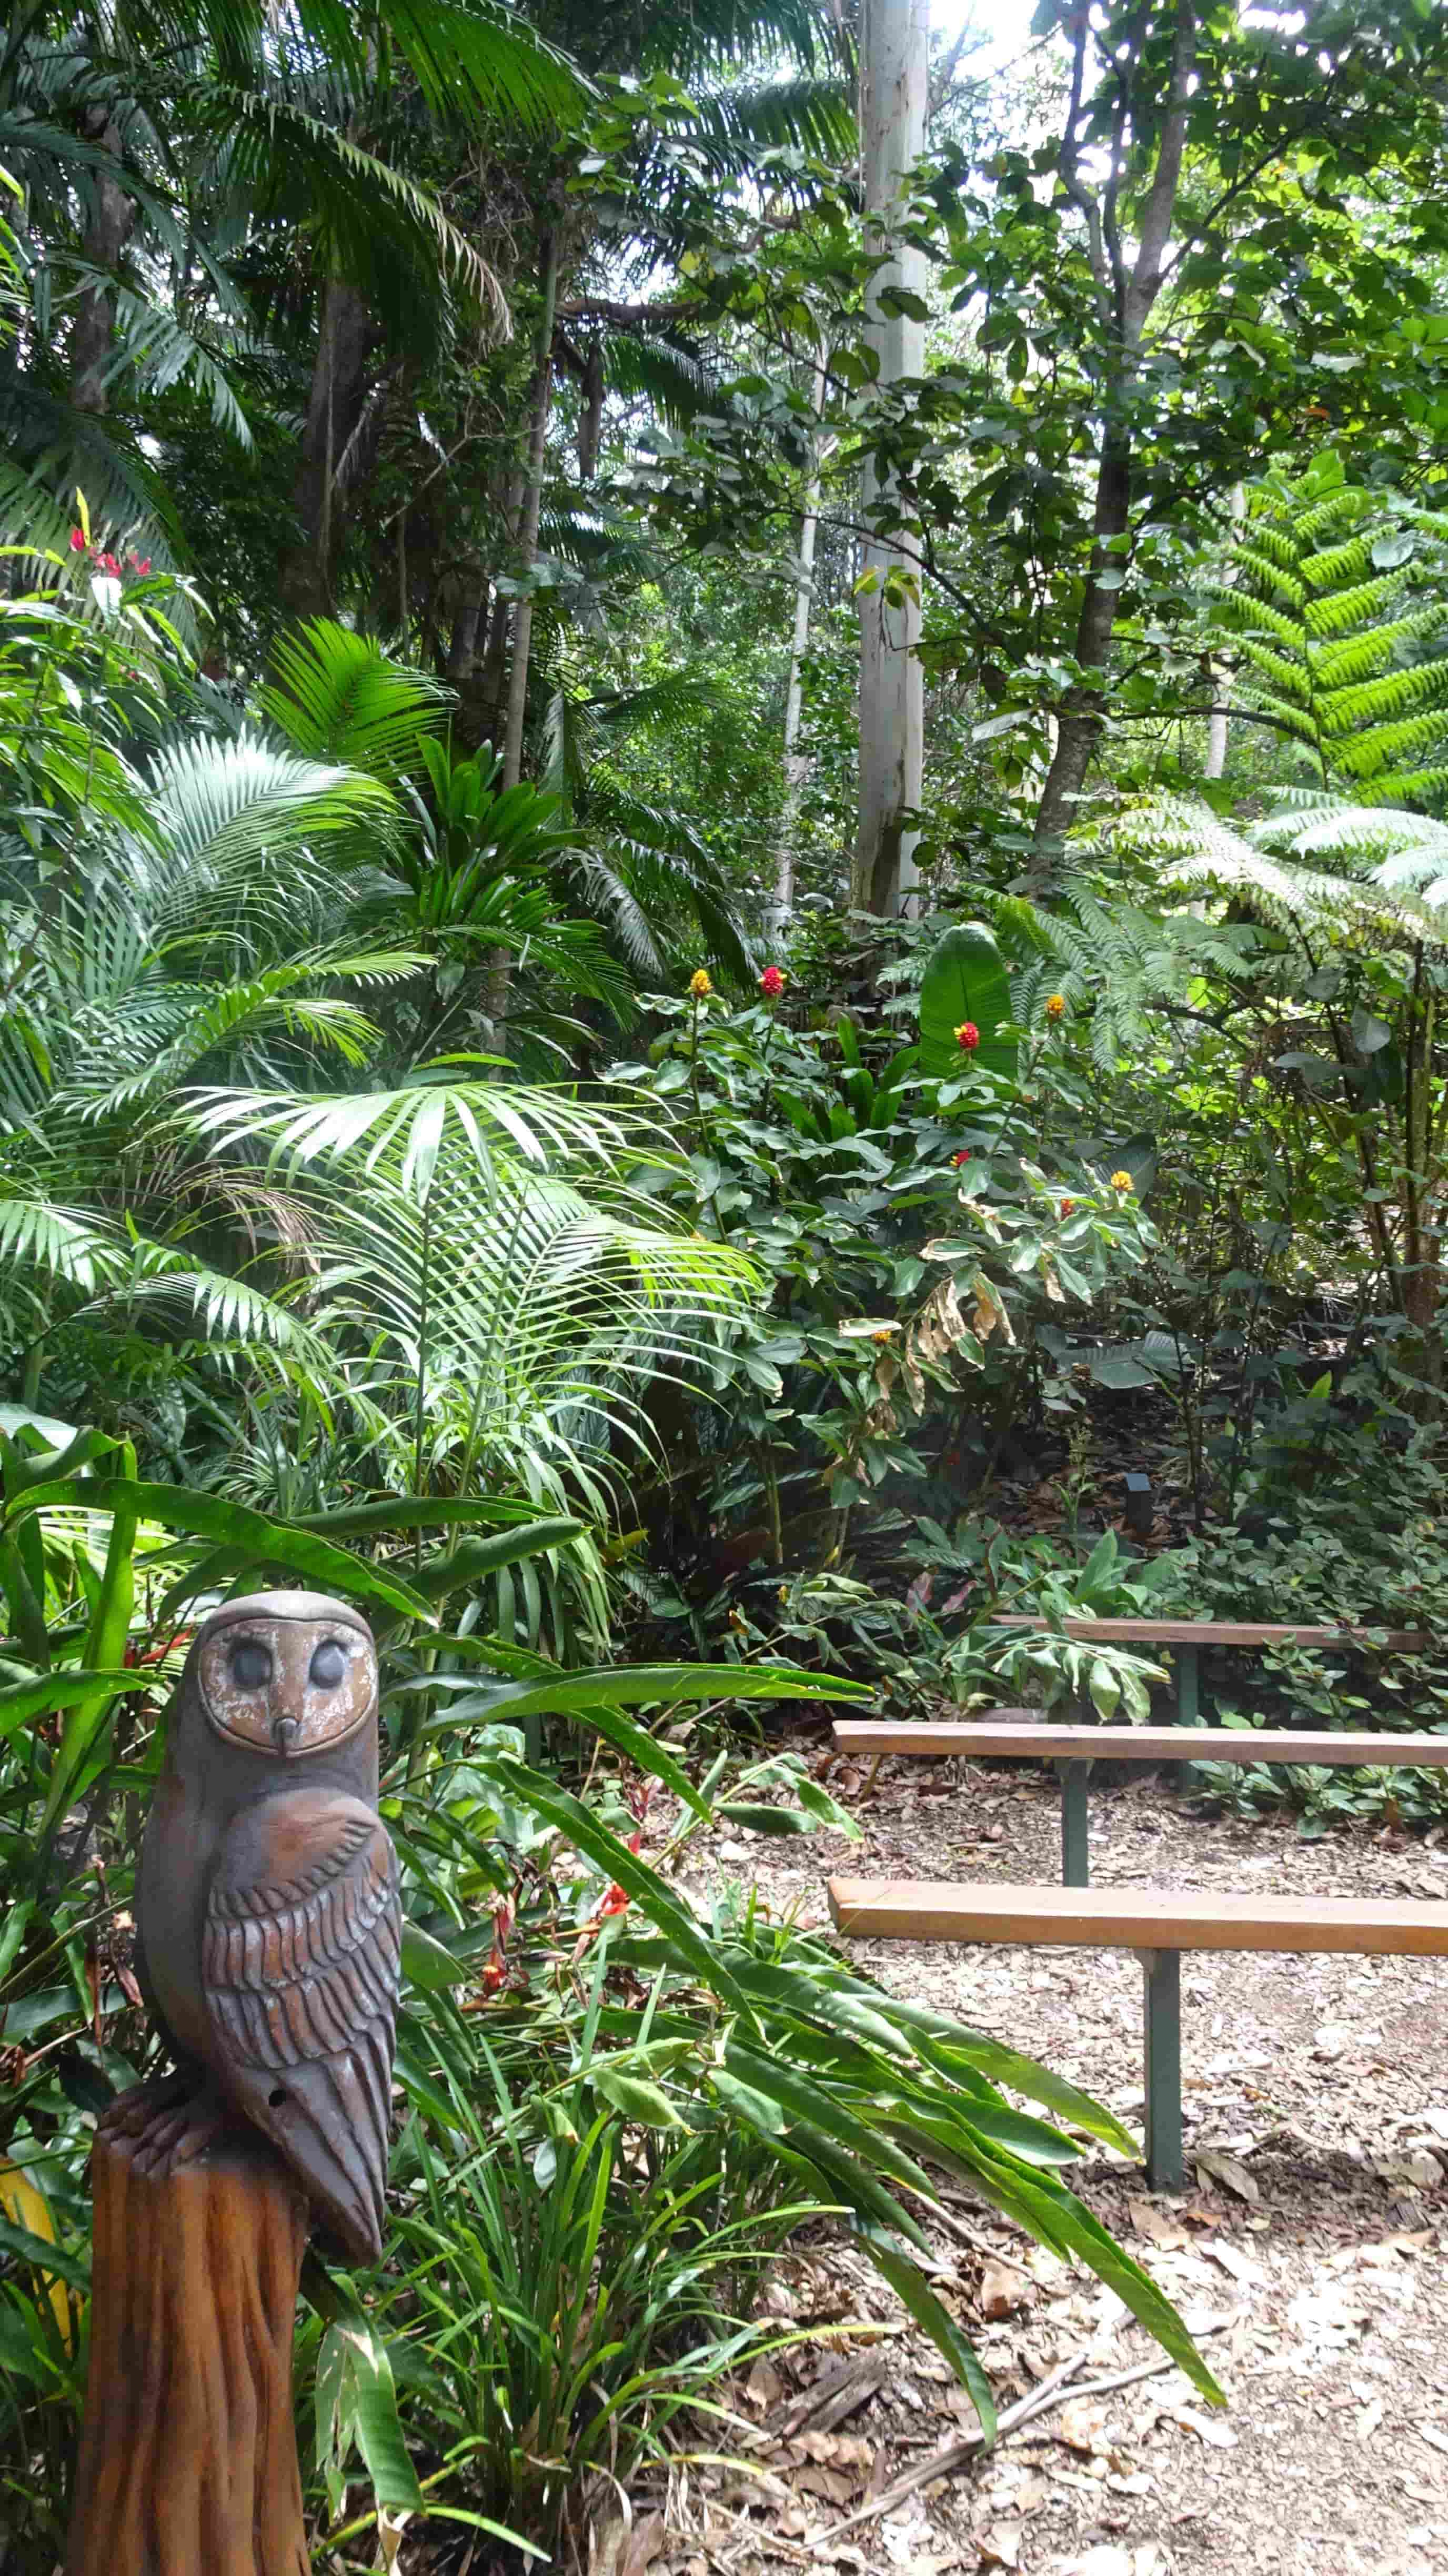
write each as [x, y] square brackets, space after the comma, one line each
[284, 1733]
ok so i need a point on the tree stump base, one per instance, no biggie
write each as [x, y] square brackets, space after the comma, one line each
[188, 2457]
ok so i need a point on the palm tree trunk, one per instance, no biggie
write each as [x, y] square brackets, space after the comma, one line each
[334, 408]
[495, 999]
[112, 221]
[532, 511]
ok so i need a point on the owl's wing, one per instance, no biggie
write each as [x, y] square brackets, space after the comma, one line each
[300, 1966]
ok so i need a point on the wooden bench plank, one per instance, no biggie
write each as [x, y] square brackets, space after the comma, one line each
[1214, 1632]
[1130, 1918]
[1016, 1732]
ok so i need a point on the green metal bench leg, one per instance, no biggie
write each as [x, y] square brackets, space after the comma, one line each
[1163, 2068]
[1075, 1860]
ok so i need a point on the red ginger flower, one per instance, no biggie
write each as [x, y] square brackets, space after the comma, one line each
[962, 1157]
[110, 565]
[77, 541]
[967, 1036]
[771, 983]
[617, 1900]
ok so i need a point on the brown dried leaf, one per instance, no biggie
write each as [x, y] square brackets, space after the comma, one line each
[1002, 2290]
[1081, 2424]
[1155, 2225]
[646, 2543]
[1228, 2171]
[1000, 2546]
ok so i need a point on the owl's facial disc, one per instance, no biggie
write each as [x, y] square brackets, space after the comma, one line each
[287, 1686]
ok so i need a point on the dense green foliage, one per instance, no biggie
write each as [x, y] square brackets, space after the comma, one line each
[434, 1167]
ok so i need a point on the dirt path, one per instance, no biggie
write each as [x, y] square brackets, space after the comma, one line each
[1316, 2094]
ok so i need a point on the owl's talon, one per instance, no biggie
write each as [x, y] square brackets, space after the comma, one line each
[171, 2123]
[132, 2112]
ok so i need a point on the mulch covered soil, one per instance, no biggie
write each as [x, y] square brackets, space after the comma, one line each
[1312, 2236]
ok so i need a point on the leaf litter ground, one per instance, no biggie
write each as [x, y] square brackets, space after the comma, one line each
[1312, 2238]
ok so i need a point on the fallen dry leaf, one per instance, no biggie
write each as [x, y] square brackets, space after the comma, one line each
[1001, 2290]
[1155, 2225]
[645, 2545]
[1208, 2427]
[1228, 2171]
[1000, 2546]
[1080, 2424]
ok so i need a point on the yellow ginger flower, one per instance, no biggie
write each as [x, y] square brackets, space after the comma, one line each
[700, 984]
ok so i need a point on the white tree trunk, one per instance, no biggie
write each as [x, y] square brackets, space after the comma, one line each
[796, 770]
[894, 58]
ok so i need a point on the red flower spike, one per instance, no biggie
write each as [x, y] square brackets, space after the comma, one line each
[617, 1900]
[77, 541]
[110, 565]
[962, 1157]
[771, 983]
[967, 1036]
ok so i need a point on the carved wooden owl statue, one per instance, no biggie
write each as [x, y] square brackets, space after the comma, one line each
[267, 1912]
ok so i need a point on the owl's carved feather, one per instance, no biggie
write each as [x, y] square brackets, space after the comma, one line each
[300, 1967]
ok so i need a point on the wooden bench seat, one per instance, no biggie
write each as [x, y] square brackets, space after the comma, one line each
[1218, 1632]
[1158, 1924]
[1010, 1734]
[1187, 1637]
[1136, 1918]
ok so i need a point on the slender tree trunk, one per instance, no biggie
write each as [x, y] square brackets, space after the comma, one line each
[495, 999]
[894, 58]
[532, 511]
[1083, 707]
[111, 222]
[1126, 291]
[464, 644]
[334, 409]
[795, 769]
[1218, 720]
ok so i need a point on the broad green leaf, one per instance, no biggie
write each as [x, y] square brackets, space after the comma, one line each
[20, 1701]
[192, 1514]
[647, 2104]
[764, 1820]
[965, 981]
[427, 1963]
[379, 2430]
[914, 2292]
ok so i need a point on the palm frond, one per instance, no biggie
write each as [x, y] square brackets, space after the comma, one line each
[344, 699]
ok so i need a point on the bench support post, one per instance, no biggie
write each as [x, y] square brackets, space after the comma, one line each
[1075, 1858]
[1163, 2068]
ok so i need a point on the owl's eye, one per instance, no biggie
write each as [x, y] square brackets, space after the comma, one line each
[251, 1664]
[329, 1665]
